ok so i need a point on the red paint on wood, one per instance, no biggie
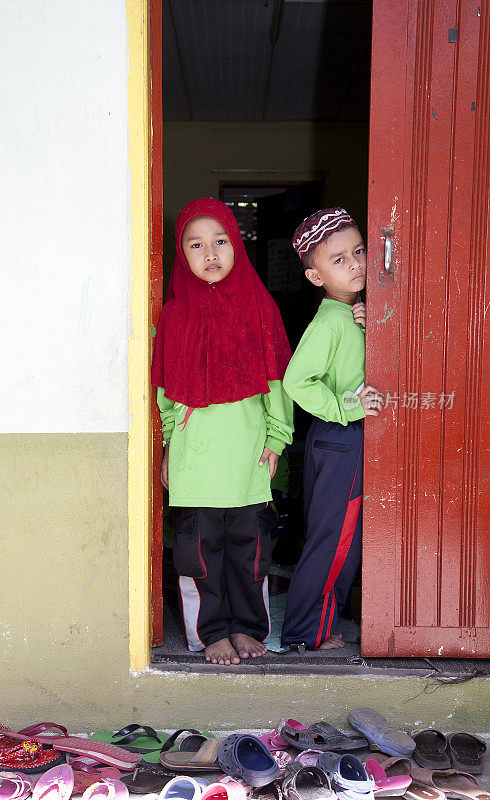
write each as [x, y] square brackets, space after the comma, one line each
[426, 506]
[156, 298]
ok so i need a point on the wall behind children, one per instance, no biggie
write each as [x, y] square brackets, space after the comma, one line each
[200, 155]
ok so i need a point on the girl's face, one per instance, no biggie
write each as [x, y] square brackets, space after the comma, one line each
[208, 249]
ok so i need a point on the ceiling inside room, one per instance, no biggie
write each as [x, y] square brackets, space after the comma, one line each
[266, 60]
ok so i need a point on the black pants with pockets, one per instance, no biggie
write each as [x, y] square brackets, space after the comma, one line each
[223, 556]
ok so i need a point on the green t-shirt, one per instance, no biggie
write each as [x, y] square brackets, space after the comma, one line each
[214, 451]
[327, 368]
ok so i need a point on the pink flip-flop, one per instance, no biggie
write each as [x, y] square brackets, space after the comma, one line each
[282, 759]
[224, 791]
[274, 740]
[99, 751]
[385, 786]
[38, 731]
[86, 776]
[226, 779]
[17, 776]
[92, 767]
[106, 790]
[14, 785]
[55, 784]
[308, 758]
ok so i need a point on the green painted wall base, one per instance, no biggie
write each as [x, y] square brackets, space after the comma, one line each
[106, 699]
[64, 654]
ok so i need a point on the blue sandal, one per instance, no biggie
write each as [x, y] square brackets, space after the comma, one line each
[244, 756]
[377, 731]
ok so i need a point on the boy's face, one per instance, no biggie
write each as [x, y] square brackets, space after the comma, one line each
[339, 265]
[208, 249]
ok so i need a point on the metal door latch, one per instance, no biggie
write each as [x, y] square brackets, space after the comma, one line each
[387, 273]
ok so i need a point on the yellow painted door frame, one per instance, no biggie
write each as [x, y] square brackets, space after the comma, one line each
[139, 445]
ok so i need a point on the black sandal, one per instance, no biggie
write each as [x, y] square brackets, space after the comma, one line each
[133, 732]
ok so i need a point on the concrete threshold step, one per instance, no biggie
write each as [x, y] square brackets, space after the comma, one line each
[327, 663]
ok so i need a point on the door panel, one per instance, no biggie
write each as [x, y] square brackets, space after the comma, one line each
[426, 548]
[156, 298]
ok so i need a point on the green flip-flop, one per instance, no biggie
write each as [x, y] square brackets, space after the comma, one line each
[150, 742]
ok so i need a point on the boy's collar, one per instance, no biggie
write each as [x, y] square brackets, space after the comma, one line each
[342, 302]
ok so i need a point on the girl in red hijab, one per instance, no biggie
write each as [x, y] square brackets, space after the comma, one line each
[220, 354]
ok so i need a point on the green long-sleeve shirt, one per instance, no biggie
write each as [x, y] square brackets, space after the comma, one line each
[327, 368]
[214, 451]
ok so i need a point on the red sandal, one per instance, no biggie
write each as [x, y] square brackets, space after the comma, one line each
[6, 741]
[29, 756]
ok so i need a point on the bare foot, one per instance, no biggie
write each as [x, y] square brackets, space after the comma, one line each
[333, 643]
[221, 652]
[336, 636]
[247, 647]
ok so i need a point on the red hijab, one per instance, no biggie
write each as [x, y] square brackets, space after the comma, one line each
[217, 343]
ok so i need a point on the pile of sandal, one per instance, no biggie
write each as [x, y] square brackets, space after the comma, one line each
[448, 765]
[94, 770]
[293, 762]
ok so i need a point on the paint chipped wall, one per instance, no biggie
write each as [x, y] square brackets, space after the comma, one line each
[64, 618]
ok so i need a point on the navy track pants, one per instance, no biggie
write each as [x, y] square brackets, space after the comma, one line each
[333, 517]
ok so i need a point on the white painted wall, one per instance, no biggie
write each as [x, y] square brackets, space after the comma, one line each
[64, 216]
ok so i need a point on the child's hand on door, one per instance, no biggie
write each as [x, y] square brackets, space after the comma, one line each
[164, 469]
[371, 401]
[359, 311]
[272, 458]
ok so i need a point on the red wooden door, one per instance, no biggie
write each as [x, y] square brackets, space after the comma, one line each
[426, 540]
[156, 295]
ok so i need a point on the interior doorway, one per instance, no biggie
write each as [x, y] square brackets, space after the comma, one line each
[267, 214]
[266, 106]
[282, 87]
